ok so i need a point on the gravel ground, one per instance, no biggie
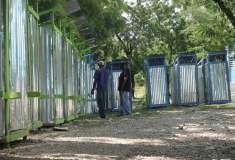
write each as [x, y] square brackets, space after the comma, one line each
[177, 134]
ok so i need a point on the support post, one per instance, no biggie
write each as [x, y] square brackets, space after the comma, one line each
[52, 18]
[29, 60]
[53, 61]
[35, 5]
[7, 69]
[65, 72]
[59, 24]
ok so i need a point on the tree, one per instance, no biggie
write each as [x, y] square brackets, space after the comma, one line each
[134, 38]
[152, 28]
[207, 25]
[105, 20]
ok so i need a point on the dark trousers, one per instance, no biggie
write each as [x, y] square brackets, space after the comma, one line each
[100, 98]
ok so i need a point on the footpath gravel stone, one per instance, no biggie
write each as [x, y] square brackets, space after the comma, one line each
[148, 137]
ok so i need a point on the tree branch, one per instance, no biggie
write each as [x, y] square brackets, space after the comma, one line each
[226, 11]
[131, 48]
[158, 18]
[119, 38]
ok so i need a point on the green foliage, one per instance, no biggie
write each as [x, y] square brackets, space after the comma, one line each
[207, 26]
[200, 55]
[154, 27]
[105, 20]
[139, 78]
[48, 4]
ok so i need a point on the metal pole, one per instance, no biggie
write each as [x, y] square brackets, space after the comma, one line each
[29, 59]
[53, 61]
[65, 73]
[35, 5]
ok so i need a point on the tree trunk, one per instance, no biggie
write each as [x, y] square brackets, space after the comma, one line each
[133, 85]
[203, 46]
[168, 75]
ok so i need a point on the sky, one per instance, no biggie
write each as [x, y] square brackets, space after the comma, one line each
[129, 1]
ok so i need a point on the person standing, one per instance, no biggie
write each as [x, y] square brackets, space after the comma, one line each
[124, 87]
[101, 85]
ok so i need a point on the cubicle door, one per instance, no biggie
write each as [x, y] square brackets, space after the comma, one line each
[34, 64]
[70, 80]
[219, 86]
[158, 86]
[58, 76]
[18, 62]
[46, 74]
[188, 84]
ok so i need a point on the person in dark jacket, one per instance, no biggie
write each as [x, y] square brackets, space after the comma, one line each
[124, 87]
[101, 85]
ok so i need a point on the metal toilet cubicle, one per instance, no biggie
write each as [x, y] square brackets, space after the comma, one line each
[88, 88]
[77, 98]
[19, 108]
[113, 98]
[156, 81]
[32, 83]
[33, 45]
[91, 100]
[85, 104]
[69, 109]
[92, 63]
[184, 79]
[56, 59]
[82, 109]
[51, 76]
[216, 78]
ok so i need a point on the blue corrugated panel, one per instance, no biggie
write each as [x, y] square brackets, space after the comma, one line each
[156, 81]
[184, 79]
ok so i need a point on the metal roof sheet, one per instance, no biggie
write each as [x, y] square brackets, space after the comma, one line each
[71, 7]
[94, 48]
[85, 32]
[90, 41]
[79, 21]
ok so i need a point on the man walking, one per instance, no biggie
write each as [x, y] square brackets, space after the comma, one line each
[124, 87]
[101, 84]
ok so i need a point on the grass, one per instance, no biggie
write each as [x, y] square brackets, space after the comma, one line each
[140, 109]
[140, 92]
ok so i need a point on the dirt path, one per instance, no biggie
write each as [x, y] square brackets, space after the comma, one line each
[205, 135]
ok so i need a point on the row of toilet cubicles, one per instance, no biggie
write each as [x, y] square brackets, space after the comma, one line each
[46, 75]
[191, 83]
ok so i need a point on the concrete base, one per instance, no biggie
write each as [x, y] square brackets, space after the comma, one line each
[232, 88]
